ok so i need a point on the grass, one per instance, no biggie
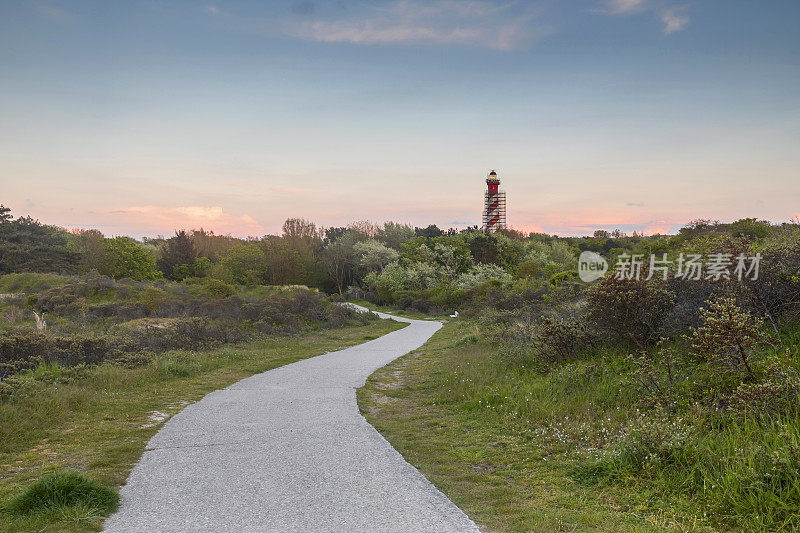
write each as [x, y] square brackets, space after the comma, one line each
[58, 492]
[504, 443]
[97, 420]
[31, 282]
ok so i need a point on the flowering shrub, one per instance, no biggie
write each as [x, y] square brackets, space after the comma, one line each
[728, 337]
[654, 442]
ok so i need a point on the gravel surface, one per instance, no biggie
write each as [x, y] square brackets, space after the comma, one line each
[287, 450]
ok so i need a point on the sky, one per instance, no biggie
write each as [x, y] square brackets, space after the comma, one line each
[143, 117]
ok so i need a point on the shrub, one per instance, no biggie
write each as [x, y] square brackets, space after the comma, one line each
[561, 339]
[728, 337]
[776, 291]
[186, 333]
[29, 282]
[657, 378]
[653, 443]
[563, 278]
[481, 273]
[152, 298]
[629, 310]
[60, 490]
[218, 288]
[775, 395]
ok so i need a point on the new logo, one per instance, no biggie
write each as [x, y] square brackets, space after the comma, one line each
[591, 266]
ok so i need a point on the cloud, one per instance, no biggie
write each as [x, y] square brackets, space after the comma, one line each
[635, 204]
[212, 9]
[660, 227]
[674, 19]
[407, 22]
[625, 6]
[162, 219]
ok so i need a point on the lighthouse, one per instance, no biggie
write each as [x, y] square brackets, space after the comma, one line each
[494, 204]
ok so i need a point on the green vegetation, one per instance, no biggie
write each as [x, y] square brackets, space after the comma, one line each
[97, 419]
[663, 401]
[91, 366]
[61, 493]
[571, 446]
[123, 257]
[658, 403]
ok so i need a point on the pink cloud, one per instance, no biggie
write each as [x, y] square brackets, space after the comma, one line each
[163, 220]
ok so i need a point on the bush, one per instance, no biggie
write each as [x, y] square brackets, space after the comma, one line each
[218, 288]
[659, 379]
[629, 310]
[59, 490]
[481, 273]
[561, 339]
[27, 283]
[728, 337]
[23, 350]
[187, 333]
[776, 292]
[775, 396]
[653, 443]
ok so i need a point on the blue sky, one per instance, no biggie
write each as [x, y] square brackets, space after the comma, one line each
[142, 117]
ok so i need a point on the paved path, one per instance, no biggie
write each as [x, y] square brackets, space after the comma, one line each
[287, 451]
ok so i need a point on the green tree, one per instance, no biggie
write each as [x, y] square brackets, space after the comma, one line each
[339, 258]
[297, 260]
[394, 235]
[26, 245]
[177, 251]
[245, 264]
[89, 243]
[373, 256]
[285, 263]
[126, 258]
[430, 232]
[201, 268]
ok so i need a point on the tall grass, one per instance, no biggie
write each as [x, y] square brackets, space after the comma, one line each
[719, 468]
[745, 475]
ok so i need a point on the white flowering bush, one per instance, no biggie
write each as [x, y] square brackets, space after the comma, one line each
[480, 273]
[373, 255]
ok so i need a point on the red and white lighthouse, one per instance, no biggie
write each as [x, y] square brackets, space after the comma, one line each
[494, 204]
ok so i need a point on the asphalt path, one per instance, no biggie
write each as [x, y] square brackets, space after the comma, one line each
[287, 451]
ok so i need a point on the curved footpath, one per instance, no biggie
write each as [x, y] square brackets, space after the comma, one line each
[287, 451]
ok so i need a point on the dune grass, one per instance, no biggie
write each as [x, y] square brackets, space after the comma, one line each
[524, 451]
[96, 420]
[58, 492]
